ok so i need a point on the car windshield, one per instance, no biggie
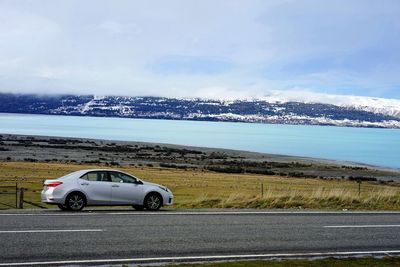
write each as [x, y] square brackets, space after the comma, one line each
[119, 177]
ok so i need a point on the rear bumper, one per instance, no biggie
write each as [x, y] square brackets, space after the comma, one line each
[49, 197]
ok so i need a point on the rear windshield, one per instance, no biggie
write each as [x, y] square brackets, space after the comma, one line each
[68, 175]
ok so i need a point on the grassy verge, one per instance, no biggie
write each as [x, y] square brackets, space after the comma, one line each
[353, 262]
[206, 189]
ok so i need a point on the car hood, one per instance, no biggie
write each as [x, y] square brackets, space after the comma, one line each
[157, 185]
[147, 183]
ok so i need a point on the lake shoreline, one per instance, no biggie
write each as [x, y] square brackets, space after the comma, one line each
[366, 146]
[198, 120]
[128, 153]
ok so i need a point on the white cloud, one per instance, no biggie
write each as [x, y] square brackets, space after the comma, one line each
[105, 47]
[221, 93]
[119, 28]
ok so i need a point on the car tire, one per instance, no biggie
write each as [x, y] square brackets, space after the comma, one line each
[153, 202]
[138, 207]
[62, 207]
[75, 202]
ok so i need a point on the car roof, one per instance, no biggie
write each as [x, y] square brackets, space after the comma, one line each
[90, 170]
[79, 173]
[109, 170]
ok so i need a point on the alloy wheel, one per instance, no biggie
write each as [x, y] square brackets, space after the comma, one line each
[153, 202]
[76, 202]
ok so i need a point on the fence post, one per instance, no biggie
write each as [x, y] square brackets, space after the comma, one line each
[262, 190]
[21, 198]
[16, 195]
[359, 187]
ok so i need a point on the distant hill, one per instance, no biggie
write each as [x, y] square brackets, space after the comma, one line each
[254, 110]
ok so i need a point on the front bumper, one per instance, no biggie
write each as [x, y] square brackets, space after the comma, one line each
[168, 199]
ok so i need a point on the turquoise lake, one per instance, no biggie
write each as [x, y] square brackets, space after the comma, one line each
[365, 145]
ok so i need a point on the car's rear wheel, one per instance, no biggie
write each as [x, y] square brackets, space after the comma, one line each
[62, 207]
[75, 202]
[153, 201]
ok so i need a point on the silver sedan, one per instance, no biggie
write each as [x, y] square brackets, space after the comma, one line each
[104, 187]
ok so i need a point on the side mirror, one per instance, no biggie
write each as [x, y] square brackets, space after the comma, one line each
[138, 182]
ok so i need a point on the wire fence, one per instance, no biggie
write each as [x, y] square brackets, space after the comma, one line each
[15, 197]
[26, 194]
[8, 196]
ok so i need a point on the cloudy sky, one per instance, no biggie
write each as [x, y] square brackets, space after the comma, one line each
[208, 48]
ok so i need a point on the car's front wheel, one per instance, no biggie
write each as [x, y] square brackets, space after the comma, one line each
[75, 202]
[153, 202]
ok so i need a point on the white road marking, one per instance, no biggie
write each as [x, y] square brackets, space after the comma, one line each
[210, 258]
[51, 231]
[363, 226]
[89, 213]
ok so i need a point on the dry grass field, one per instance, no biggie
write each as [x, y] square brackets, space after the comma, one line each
[205, 189]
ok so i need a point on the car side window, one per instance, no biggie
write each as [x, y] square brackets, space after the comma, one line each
[96, 176]
[118, 177]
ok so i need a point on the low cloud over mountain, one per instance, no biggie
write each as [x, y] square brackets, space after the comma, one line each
[310, 109]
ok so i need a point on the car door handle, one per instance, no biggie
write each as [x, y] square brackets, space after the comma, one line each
[115, 185]
[84, 183]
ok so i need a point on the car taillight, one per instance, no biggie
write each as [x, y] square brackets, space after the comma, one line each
[53, 184]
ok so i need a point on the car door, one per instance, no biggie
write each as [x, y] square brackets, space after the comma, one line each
[97, 187]
[125, 189]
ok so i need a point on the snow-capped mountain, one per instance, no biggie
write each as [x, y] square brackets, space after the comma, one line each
[385, 106]
[276, 107]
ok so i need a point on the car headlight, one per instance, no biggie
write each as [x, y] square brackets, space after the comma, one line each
[163, 188]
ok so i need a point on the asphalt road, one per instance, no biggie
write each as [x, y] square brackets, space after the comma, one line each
[52, 237]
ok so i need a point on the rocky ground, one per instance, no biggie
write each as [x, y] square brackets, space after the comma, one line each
[119, 153]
